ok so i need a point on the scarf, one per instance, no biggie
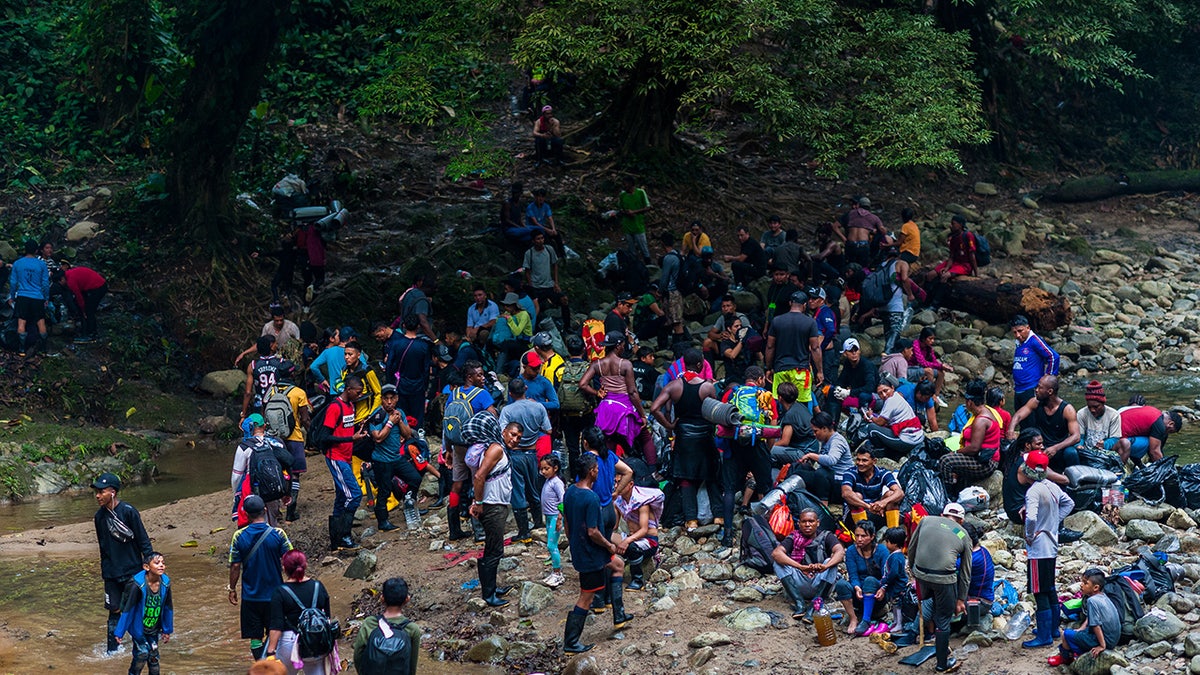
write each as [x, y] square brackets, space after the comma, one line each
[482, 428]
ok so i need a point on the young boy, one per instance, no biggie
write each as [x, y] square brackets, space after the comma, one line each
[1101, 627]
[369, 661]
[147, 613]
[891, 586]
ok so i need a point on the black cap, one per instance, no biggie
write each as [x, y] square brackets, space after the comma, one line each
[388, 389]
[107, 480]
[253, 505]
[613, 339]
[799, 297]
[624, 296]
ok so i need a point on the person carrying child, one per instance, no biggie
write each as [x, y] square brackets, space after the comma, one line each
[147, 613]
[1101, 625]
[552, 501]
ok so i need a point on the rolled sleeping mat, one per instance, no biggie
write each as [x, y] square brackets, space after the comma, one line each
[1080, 475]
[779, 493]
[720, 413]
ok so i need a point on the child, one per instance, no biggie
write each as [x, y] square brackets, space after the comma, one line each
[375, 661]
[865, 564]
[894, 577]
[1101, 627]
[147, 613]
[552, 497]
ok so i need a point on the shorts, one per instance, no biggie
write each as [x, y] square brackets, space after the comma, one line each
[1139, 446]
[256, 616]
[673, 304]
[1041, 575]
[114, 590]
[592, 582]
[299, 462]
[915, 373]
[801, 377]
[30, 309]
[460, 472]
[908, 257]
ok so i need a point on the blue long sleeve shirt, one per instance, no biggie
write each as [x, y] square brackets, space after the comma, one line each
[539, 389]
[29, 278]
[1033, 359]
[859, 568]
[894, 576]
[334, 360]
[983, 575]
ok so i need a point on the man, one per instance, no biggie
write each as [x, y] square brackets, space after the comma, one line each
[695, 240]
[406, 365]
[920, 398]
[806, 563]
[751, 262]
[390, 464]
[1055, 418]
[616, 322]
[633, 204]
[28, 293]
[793, 345]
[1032, 360]
[576, 410]
[897, 364]
[720, 328]
[87, 288]
[827, 326]
[939, 555]
[1046, 506]
[473, 391]
[415, 302]
[898, 311]
[796, 438]
[779, 294]
[712, 280]
[547, 137]
[857, 381]
[301, 415]
[552, 364]
[395, 598]
[541, 275]
[870, 492]
[1146, 429]
[1100, 424]
[750, 451]
[961, 246]
[538, 387]
[482, 315]
[243, 479]
[261, 374]
[591, 555]
[254, 556]
[773, 237]
[695, 453]
[512, 216]
[668, 283]
[857, 228]
[538, 214]
[123, 544]
[535, 423]
[910, 237]
[336, 441]
[790, 256]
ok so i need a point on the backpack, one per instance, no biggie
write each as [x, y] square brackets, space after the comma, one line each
[689, 276]
[278, 413]
[1151, 573]
[316, 633]
[319, 436]
[1127, 600]
[631, 273]
[983, 250]
[758, 542]
[267, 479]
[750, 402]
[877, 288]
[388, 650]
[458, 411]
[571, 399]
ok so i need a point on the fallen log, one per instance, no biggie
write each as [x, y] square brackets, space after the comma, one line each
[997, 302]
[1090, 188]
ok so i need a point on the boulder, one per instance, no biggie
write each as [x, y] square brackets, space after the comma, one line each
[745, 573]
[1089, 343]
[664, 604]
[1194, 665]
[700, 657]
[582, 664]
[534, 598]
[213, 424]
[686, 546]
[994, 484]
[688, 580]
[1142, 511]
[985, 189]
[1099, 665]
[488, 650]
[710, 639]
[1157, 625]
[746, 594]
[748, 619]
[979, 639]
[947, 331]
[1095, 529]
[1098, 304]
[716, 572]
[7, 252]
[718, 611]
[1106, 256]
[223, 383]
[362, 566]
[82, 231]
[84, 204]
[1146, 530]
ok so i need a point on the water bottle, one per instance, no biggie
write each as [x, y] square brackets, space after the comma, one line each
[412, 518]
[463, 274]
[823, 623]
[1017, 625]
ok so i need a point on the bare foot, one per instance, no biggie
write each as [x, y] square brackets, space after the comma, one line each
[851, 627]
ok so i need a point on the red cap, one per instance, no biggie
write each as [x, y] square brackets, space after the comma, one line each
[1037, 460]
[532, 359]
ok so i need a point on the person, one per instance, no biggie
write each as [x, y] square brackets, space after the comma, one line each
[538, 214]
[87, 288]
[482, 314]
[806, 562]
[641, 508]
[519, 331]
[123, 543]
[407, 365]
[592, 554]
[983, 574]
[895, 575]
[865, 564]
[910, 237]
[538, 388]
[1146, 429]
[857, 228]
[535, 424]
[796, 437]
[645, 374]
[297, 593]
[896, 364]
[712, 280]
[552, 499]
[721, 326]
[1013, 490]
[898, 311]
[575, 407]
[857, 381]
[415, 302]
[477, 396]
[778, 294]
[492, 478]
[619, 413]
[961, 261]
[749, 452]
[616, 322]
[147, 613]
[926, 358]
[1100, 424]
[672, 266]
[896, 430]
[310, 241]
[1046, 506]
[920, 397]
[390, 466]
[1033, 359]
[735, 355]
[284, 330]
[790, 256]
[613, 475]
[827, 326]
[512, 216]
[633, 204]
[773, 237]
[541, 275]
[871, 493]
[242, 477]
[751, 262]
[255, 553]
[340, 433]
[939, 555]
[1055, 418]
[1101, 627]
[695, 240]
[825, 465]
[695, 452]
[395, 596]
[28, 294]
[794, 350]
[547, 137]
[294, 441]
[261, 375]
[979, 453]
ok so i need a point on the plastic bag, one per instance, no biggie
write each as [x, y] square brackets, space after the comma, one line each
[1005, 596]
[1189, 484]
[921, 486]
[1157, 482]
[781, 520]
[1102, 459]
[974, 498]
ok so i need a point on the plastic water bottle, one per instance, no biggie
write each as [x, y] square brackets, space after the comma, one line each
[823, 623]
[1017, 625]
[412, 518]
[463, 274]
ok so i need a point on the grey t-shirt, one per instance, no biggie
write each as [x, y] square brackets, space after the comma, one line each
[1101, 612]
[792, 331]
[1046, 506]
[533, 418]
[669, 280]
[414, 301]
[540, 265]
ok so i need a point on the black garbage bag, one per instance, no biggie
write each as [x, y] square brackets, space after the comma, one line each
[929, 452]
[1102, 459]
[1189, 484]
[1157, 482]
[921, 485]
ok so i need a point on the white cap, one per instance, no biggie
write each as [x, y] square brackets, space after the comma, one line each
[850, 345]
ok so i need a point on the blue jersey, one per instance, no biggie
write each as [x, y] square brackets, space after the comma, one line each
[1033, 359]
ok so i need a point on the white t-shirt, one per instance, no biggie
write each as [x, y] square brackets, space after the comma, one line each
[1093, 431]
[896, 410]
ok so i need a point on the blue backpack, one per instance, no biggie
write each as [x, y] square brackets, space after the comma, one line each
[983, 250]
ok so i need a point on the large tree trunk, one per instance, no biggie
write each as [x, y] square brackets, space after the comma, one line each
[643, 122]
[1090, 188]
[997, 302]
[230, 42]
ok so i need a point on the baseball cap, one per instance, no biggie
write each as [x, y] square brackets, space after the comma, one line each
[388, 389]
[442, 353]
[532, 359]
[1037, 460]
[850, 345]
[954, 510]
[890, 380]
[613, 339]
[624, 296]
[348, 332]
[799, 297]
[107, 480]
[542, 340]
[253, 505]
[547, 109]
[256, 420]
[864, 202]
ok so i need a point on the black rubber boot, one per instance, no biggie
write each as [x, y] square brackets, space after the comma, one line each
[455, 523]
[637, 580]
[381, 517]
[945, 662]
[291, 516]
[616, 590]
[522, 518]
[112, 645]
[600, 601]
[539, 520]
[573, 632]
[487, 585]
[345, 540]
[791, 586]
[477, 529]
[335, 532]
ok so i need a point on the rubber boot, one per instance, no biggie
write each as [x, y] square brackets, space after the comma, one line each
[381, 518]
[487, 585]
[539, 521]
[112, 645]
[522, 518]
[637, 579]
[1055, 617]
[477, 530]
[1041, 632]
[573, 632]
[791, 586]
[345, 541]
[945, 662]
[616, 590]
[455, 523]
[600, 601]
[864, 621]
[291, 516]
[335, 532]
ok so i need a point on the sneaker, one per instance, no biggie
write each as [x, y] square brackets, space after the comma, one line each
[940, 403]
[308, 295]
[554, 580]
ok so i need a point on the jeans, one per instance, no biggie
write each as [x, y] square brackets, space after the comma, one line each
[145, 653]
[636, 243]
[1080, 641]
[525, 492]
[347, 495]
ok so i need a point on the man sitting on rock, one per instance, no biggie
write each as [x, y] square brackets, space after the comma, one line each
[1146, 428]
[871, 492]
[1055, 418]
[806, 564]
[1100, 424]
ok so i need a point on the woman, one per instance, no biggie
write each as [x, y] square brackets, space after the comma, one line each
[641, 508]
[1013, 490]
[734, 353]
[613, 477]
[620, 414]
[487, 459]
[298, 593]
[925, 358]
[829, 464]
[516, 338]
[856, 381]
[865, 562]
[979, 452]
[694, 240]
[896, 430]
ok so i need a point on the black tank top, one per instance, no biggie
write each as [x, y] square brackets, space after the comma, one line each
[1053, 427]
[266, 375]
[687, 408]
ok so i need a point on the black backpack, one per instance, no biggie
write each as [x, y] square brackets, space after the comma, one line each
[877, 288]
[758, 542]
[315, 632]
[267, 479]
[1154, 575]
[689, 275]
[631, 274]
[388, 650]
[1126, 600]
[983, 250]
[320, 437]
